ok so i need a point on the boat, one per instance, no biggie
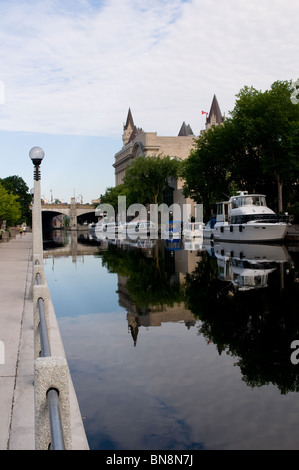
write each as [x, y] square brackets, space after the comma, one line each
[193, 230]
[141, 229]
[122, 229]
[172, 231]
[104, 229]
[246, 218]
[208, 228]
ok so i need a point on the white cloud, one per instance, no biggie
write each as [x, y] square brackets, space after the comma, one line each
[75, 68]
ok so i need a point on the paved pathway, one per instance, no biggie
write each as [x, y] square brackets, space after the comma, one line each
[16, 336]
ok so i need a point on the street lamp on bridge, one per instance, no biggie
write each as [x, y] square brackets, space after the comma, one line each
[37, 154]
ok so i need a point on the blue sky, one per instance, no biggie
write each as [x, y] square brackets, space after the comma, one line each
[70, 70]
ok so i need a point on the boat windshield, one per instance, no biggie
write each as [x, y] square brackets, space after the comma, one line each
[249, 200]
[262, 218]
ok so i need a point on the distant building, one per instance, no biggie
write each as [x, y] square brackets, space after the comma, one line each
[137, 142]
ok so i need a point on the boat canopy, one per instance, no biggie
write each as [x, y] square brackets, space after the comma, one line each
[248, 200]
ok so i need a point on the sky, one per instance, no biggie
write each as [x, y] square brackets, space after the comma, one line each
[70, 71]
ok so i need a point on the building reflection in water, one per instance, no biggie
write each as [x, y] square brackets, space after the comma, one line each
[159, 273]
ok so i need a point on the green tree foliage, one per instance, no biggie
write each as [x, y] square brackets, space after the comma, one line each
[209, 170]
[148, 280]
[17, 186]
[256, 149]
[10, 208]
[111, 196]
[147, 177]
[272, 123]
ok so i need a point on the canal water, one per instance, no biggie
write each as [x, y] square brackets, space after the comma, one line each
[179, 346]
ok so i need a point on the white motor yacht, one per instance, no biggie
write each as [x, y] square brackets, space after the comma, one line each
[246, 218]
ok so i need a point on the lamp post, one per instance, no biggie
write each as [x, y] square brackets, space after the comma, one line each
[37, 154]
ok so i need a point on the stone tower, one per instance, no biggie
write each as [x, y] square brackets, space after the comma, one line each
[129, 129]
[215, 117]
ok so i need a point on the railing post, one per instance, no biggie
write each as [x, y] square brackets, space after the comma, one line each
[51, 373]
[39, 292]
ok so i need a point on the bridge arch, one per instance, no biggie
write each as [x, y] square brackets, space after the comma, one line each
[78, 213]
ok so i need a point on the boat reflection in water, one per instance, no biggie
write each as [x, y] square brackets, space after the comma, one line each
[248, 266]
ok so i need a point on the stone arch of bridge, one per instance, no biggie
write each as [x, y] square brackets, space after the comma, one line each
[77, 216]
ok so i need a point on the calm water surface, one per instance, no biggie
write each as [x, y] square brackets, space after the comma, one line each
[175, 346]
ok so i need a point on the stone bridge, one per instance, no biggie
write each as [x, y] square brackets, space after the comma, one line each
[78, 213]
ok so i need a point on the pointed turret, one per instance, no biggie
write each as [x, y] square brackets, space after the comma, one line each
[130, 122]
[185, 130]
[128, 128]
[215, 117]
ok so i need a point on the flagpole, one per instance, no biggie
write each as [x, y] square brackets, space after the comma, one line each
[206, 113]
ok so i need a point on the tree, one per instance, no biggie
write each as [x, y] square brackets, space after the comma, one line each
[111, 196]
[207, 172]
[255, 149]
[272, 124]
[147, 177]
[17, 186]
[10, 208]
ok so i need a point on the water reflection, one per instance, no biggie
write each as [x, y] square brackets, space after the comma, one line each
[247, 266]
[150, 284]
[253, 324]
[216, 307]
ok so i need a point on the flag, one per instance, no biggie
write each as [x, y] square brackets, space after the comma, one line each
[204, 112]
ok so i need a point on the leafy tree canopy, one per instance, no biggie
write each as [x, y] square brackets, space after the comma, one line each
[147, 177]
[17, 186]
[255, 149]
[111, 195]
[10, 208]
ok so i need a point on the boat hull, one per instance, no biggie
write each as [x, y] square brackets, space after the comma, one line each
[250, 232]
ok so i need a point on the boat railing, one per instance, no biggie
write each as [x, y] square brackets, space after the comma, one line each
[288, 219]
[259, 218]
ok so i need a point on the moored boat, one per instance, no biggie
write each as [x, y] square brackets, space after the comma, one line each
[193, 230]
[246, 218]
[172, 231]
[141, 229]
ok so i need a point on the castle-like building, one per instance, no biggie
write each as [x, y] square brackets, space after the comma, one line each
[137, 142]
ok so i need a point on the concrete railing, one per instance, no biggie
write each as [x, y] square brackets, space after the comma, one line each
[51, 373]
[58, 422]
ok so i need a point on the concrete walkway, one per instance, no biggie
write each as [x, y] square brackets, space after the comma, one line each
[17, 340]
